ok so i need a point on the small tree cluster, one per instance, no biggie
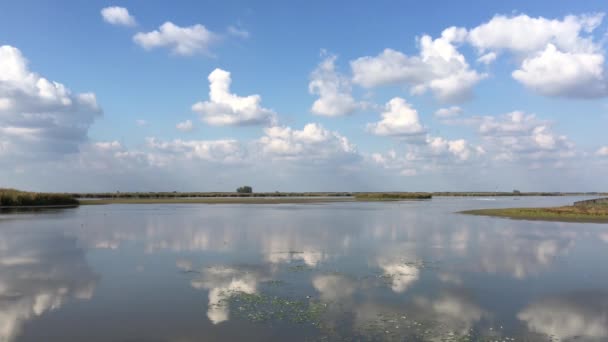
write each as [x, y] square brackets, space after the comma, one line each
[244, 189]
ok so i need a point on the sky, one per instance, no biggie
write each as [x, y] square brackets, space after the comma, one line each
[303, 95]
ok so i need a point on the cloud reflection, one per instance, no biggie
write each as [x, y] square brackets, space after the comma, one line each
[580, 315]
[221, 282]
[39, 273]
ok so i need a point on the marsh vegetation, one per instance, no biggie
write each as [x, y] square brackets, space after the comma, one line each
[392, 196]
[580, 212]
[16, 198]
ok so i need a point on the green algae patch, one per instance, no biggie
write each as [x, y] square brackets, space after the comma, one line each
[257, 307]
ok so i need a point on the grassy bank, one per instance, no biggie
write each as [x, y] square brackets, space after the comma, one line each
[392, 196]
[11, 198]
[595, 214]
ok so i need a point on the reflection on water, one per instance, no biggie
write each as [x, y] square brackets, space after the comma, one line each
[39, 273]
[571, 315]
[366, 271]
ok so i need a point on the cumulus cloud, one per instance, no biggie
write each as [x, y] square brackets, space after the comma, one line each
[313, 142]
[38, 116]
[432, 155]
[184, 41]
[185, 126]
[219, 151]
[458, 148]
[333, 89]
[523, 34]
[439, 67]
[398, 119]
[568, 74]
[227, 109]
[448, 112]
[518, 135]
[558, 57]
[116, 15]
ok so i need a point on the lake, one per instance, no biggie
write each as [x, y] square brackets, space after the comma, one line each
[410, 270]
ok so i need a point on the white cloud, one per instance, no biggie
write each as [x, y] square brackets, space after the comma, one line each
[238, 32]
[558, 57]
[458, 148]
[227, 109]
[603, 151]
[568, 74]
[116, 15]
[513, 123]
[183, 41]
[448, 112]
[219, 151]
[313, 142]
[39, 116]
[108, 145]
[439, 68]
[185, 126]
[524, 35]
[398, 119]
[488, 58]
[333, 89]
[517, 135]
[141, 122]
[431, 155]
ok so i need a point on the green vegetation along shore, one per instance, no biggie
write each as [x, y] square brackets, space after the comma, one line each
[391, 196]
[593, 213]
[14, 198]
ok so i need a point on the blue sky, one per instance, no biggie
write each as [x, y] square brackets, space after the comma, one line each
[540, 130]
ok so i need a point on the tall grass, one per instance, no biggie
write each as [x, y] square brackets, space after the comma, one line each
[16, 198]
[388, 196]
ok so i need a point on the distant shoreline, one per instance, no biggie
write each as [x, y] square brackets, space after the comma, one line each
[15, 199]
[218, 200]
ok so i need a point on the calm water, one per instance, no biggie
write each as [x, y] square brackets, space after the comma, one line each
[339, 271]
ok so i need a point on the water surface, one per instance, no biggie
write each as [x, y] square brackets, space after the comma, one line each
[412, 270]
